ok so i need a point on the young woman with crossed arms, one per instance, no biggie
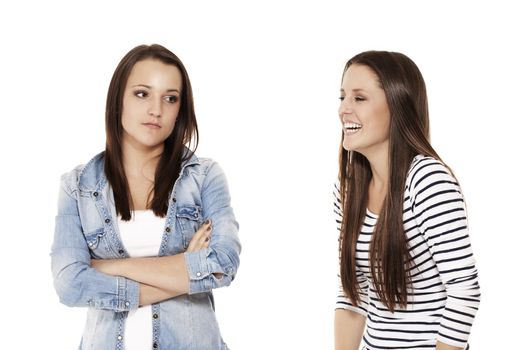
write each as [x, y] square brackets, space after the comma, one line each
[145, 230]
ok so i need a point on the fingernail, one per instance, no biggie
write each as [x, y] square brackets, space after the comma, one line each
[209, 228]
[207, 222]
[207, 239]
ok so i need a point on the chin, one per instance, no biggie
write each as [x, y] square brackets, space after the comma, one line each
[152, 145]
[348, 147]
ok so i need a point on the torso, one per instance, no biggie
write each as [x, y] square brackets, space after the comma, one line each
[437, 235]
[193, 315]
[141, 237]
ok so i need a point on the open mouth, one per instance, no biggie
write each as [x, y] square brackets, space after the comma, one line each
[351, 127]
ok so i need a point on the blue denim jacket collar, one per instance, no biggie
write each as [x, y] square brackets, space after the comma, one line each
[92, 177]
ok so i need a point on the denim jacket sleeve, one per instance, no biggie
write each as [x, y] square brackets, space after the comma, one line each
[76, 283]
[222, 256]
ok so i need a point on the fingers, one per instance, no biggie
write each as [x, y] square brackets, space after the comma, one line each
[201, 239]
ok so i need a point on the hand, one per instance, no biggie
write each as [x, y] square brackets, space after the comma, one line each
[201, 239]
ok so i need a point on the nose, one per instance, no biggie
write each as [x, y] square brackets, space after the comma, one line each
[155, 108]
[345, 107]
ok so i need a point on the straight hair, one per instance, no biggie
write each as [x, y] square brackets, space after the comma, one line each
[175, 151]
[409, 135]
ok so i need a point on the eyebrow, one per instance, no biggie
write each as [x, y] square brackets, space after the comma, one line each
[149, 87]
[355, 90]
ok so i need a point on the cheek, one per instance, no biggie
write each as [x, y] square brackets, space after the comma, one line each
[128, 116]
[172, 117]
[383, 120]
[129, 110]
[125, 119]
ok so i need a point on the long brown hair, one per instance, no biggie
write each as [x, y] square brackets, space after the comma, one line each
[409, 135]
[174, 154]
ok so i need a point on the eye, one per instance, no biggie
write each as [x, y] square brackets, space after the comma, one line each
[359, 99]
[171, 99]
[341, 98]
[141, 93]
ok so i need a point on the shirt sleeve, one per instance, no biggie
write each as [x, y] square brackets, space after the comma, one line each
[76, 283]
[217, 265]
[439, 210]
[342, 301]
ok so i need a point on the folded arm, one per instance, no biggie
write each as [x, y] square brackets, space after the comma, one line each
[76, 283]
[212, 257]
[160, 278]
[217, 265]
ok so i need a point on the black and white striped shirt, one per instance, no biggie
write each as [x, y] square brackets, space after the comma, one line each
[445, 294]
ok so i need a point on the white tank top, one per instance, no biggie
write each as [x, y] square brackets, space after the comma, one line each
[141, 237]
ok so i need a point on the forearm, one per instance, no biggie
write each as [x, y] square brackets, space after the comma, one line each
[443, 346]
[150, 295]
[167, 273]
[348, 329]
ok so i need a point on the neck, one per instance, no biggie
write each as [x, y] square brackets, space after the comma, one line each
[380, 173]
[141, 162]
[378, 186]
[380, 167]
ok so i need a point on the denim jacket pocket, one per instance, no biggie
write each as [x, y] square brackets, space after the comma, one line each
[93, 240]
[189, 218]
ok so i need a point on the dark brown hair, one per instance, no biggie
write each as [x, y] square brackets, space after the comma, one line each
[409, 135]
[174, 154]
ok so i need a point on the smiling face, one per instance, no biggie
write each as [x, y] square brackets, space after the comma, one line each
[364, 112]
[151, 104]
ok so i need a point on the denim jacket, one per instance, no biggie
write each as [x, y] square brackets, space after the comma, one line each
[86, 228]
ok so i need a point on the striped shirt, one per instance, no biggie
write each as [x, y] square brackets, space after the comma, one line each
[445, 293]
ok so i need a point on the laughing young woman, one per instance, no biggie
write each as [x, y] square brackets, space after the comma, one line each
[145, 230]
[407, 269]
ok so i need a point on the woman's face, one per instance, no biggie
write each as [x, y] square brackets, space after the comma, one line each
[364, 112]
[151, 104]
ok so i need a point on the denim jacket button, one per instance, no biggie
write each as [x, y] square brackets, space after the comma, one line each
[121, 251]
[155, 316]
[168, 229]
[107, 221]
[155, 345]
[174, 199]
[126, 303]
[199, 274]
[119, 337]
[95, 194]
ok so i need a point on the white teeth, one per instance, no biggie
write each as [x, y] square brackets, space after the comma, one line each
[352, 126]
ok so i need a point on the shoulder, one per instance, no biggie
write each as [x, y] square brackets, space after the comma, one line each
[84, 176]
[206, 174]
[429, 178]
[426, 170]
[207, 164]
[201, 165]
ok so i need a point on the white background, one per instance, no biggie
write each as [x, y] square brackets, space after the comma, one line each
[266, 81]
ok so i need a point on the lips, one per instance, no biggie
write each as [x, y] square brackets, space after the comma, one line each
[351, 127]
[151, 125]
